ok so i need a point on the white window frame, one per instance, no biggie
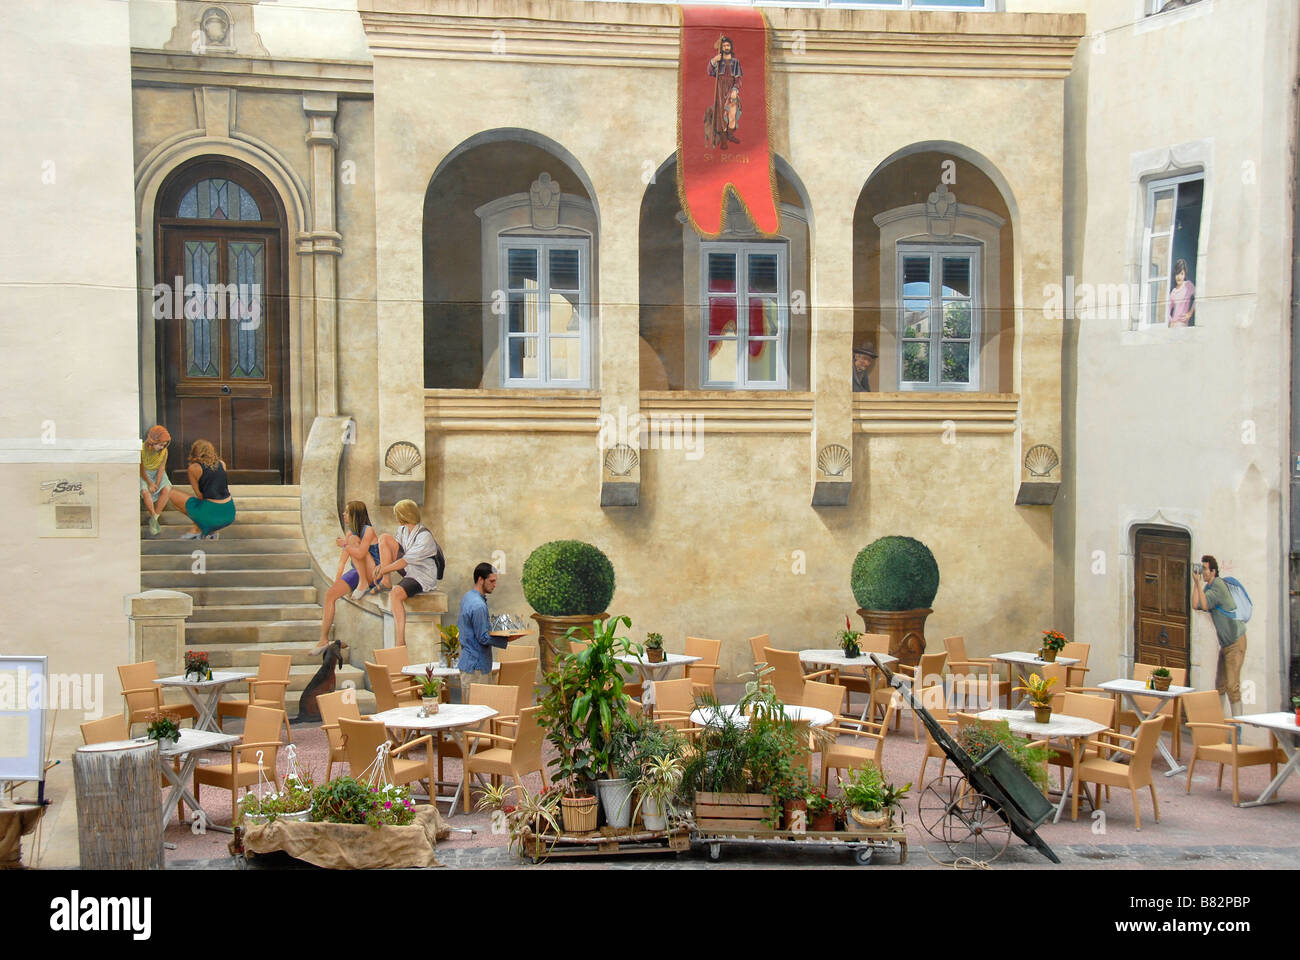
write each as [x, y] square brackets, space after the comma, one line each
[542, 245]
[741, 252]
[1154, 185]
[936, 252]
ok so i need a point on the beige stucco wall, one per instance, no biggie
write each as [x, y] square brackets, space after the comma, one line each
[68, 257]
[1185, 428]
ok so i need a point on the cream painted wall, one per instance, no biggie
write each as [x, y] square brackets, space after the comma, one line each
[1162, 420]
[68, 320]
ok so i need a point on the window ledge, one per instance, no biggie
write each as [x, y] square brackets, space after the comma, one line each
[514, 410]
[935, 412]
[732, 411]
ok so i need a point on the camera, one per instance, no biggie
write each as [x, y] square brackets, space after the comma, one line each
[1196, 568]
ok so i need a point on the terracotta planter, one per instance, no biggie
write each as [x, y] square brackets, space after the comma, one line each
[579, 813]
[905, 628]
[1042, 714]
[822, 822]
[1161, 683]
[790, 806]
[551, 630]
[655, 654]
[1047, 654]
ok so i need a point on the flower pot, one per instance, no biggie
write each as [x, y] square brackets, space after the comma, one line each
[551, 631]
[860, 820]
[655, 654]
[616, 801]
[430, 705]
[852, 653]
[1042, 714]
[1047, 655]
[906, 630]
[165, 743]
[823, 822]
[1297, 716]
[790, 806]
[578, 814]
[303, 816]
[1162, 683]
[653, 815]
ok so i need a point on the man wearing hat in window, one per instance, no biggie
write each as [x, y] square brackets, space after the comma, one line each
[864, 355]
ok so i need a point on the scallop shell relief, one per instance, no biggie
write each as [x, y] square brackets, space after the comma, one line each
[1041, 460]
[402, 457]
[621, 460]
[834, 459]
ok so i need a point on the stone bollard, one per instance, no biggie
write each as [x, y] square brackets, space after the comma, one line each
[423, 615]
[157, 620]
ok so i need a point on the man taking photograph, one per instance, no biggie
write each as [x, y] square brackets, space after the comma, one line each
[1216, 599]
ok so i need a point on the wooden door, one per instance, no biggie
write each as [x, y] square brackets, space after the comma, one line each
[221, 333]
[1163, 598]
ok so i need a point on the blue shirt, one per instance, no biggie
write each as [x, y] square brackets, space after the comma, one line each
[475, 626]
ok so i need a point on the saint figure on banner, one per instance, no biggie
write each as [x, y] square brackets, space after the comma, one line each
[722, 119]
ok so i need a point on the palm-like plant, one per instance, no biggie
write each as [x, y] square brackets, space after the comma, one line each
[531, 815]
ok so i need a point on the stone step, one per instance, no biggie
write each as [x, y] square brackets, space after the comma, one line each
[165, 545]
[215, 634]
[175, 517]
[261, 612]
[299, 677]
[246, 656]
[228, 561]
[205, 596]
[243, 504]
[365, 703]
[236, 531]
[180, 579]
[238, 490]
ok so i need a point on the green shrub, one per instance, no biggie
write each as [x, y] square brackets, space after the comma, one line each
[895, 573]
[568, 578]
[979, 740]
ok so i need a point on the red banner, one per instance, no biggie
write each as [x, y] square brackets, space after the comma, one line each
[722, 119]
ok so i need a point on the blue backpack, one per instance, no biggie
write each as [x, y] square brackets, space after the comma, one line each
[1240, 597]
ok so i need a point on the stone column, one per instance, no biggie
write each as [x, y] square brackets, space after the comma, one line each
[423, 616]
[157, 619]
[322, 244]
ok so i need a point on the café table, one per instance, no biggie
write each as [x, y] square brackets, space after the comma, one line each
[205, 694]
[1132, 689]
[453, 719]
[439, 670]
[1276, 723]
[1061, 726]
[192, 742]
[835, 657]
[711, 716]
[1025, 659]
[651, 671]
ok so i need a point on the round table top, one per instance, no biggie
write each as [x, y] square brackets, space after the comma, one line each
[669, 660]
[815, 716]
[835, 657]
[1060, 725]
[417, 669]
[450, 716]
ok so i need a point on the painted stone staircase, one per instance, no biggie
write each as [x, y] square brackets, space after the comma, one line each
[253, 591]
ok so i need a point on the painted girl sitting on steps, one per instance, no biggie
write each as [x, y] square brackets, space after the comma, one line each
[212, 507]
[360, 545]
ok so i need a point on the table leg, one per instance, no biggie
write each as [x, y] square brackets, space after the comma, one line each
[1174, 766]
[647, 675]
[179, 783]
[465, 751]
[1270, 792]
[206, 706]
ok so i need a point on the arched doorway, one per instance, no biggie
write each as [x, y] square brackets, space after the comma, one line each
[219, 310]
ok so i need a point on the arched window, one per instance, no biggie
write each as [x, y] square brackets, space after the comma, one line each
[216, 199]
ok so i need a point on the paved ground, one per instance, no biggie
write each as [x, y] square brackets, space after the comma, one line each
[1197, 831]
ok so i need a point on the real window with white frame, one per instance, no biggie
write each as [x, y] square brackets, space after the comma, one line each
[1170, 239]
[939, 316]
[746, 316]
[545, 328]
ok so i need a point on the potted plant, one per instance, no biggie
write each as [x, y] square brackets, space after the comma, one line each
[292, 802]
[430, 692]
[654, 647]
[1053, 643]
[568, 584]
[821, 812]
[847, 640]
[1161, 678]
[869, 801]
[450, 644]
[528, 818]
[894, 580]
[1039, 690]
[657, 787]
[197, 666]
[585, 714]
[349, 801]
[163, 729]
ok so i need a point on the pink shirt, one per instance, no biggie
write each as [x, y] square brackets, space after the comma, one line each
[1180, 303]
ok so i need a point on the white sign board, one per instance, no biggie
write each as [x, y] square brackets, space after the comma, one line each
[68, 505]
[22, 718]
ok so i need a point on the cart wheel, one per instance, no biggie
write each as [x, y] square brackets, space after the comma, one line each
[715, 852]
[862, 855]
[964, 820]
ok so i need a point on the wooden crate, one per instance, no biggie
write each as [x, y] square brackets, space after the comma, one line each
[607, 841]
[734, 811]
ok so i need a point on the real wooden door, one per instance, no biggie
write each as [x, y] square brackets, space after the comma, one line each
[1163, 594]
[221, 333]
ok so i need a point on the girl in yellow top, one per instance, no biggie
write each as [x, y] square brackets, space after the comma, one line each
[153, 475]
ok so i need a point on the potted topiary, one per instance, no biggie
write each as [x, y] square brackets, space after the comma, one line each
[894, 580]
[1161, 678]
[568, 584]
[1039, 690]
[654, 647]
[1053, 643]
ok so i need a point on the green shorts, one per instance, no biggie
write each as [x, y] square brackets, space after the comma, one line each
[209, 516]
